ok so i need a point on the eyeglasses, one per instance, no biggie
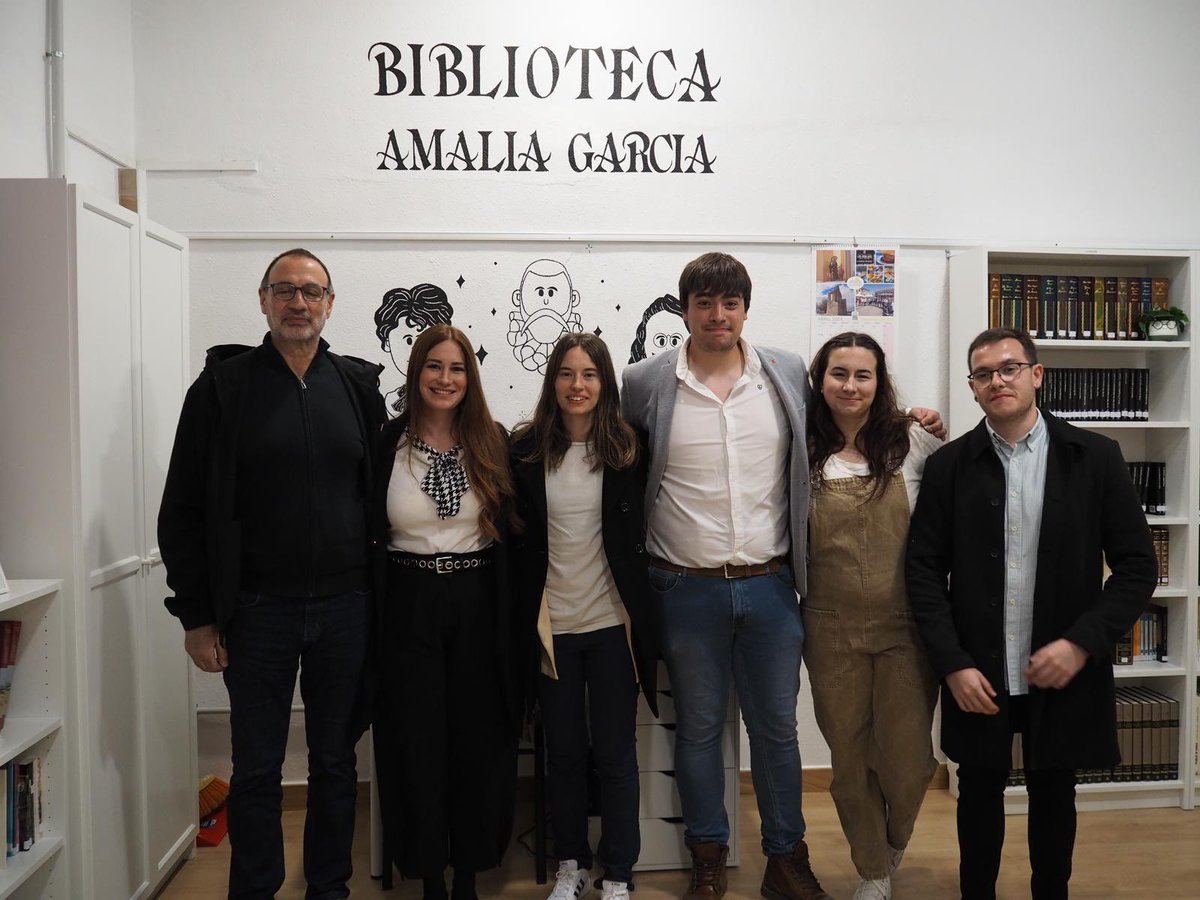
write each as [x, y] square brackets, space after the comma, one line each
[285, 290]
[1007, 372]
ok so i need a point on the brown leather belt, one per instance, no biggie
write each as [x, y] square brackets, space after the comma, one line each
[729, 570]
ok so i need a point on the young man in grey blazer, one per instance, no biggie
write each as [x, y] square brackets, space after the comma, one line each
[727, 507]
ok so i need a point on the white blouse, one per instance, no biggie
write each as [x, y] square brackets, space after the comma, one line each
[414, 526]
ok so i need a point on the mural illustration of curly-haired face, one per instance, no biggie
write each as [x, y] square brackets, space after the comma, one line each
[662, 328]
[545, 311]
[404, 313]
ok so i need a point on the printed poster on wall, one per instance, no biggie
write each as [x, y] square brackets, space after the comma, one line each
[855, 291]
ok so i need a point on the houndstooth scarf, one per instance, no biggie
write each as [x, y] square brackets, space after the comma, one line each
[446, 480]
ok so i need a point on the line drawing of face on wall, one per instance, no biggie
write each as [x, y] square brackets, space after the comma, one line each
[404, 313]
[662, 328]
[545, 310]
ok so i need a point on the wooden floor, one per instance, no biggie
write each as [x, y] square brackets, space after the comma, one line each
[1135, 854]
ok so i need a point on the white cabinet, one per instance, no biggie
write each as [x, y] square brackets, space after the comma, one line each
[1170, 436]
[93, 367]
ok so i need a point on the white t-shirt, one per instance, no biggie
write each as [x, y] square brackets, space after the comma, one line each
[921, 445]
[580, 591]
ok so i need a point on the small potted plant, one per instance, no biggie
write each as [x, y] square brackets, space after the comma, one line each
[1158, 324]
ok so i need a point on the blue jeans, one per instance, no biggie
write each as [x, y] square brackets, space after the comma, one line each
[267, 640]
[748, 631]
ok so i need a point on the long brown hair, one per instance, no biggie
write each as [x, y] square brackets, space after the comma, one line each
[883, 438]
[612, 442]
[485, 451]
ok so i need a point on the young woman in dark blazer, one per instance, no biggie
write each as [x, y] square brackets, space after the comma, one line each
[447, 710]
[584, 592]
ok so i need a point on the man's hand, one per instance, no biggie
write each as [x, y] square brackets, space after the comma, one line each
[972, 692]
[930, 420]
[1054, 665]
[204, 646]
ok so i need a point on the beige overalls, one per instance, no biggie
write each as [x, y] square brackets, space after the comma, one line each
[873, 689]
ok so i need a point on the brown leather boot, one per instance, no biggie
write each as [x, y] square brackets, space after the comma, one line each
[708, 871]
[789, 877]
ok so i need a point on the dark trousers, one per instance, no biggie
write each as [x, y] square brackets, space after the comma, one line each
[268, 639]
[596, 686]
[1051, 824]
[448, 764]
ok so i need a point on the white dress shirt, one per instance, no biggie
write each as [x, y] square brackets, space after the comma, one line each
[1025, 488]
[723, 497]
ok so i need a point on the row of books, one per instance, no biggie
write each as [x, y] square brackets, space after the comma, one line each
[1146, 641]
[10, 637]
[1162, 552]
[1074, 307]
[1150, 482]
[1096, 395]
[21, 790]
[1148, 733]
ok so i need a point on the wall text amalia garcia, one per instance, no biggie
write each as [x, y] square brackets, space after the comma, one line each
[585, 73]
[487, 151]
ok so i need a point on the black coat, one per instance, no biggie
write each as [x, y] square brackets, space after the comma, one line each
[623, 536]
[1090, 513]
[388, 733]
[198, 527]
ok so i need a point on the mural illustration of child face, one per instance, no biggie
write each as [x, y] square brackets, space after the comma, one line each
[544, 311]
[404, 313]
[546, 298]
[662, 328]
[664, 331]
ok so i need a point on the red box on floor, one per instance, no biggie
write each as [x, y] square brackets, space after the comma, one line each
[212, 830]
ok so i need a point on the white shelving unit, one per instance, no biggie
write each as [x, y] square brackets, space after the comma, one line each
[1171, 435]
[34, 727]
[93, 367]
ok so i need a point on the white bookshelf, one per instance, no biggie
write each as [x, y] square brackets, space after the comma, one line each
[1171, 435]
[93, 367]
[34, 726]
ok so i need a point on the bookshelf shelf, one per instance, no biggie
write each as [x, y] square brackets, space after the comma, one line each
[1149, 669]
[20, 734]
[24, 865]
[1106, 346]
[1099, 425]
[21, 591]
[1170, 437]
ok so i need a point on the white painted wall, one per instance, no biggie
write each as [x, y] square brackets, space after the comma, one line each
[22, 91]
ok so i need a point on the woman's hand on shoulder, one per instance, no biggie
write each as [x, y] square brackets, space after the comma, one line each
[930, 420]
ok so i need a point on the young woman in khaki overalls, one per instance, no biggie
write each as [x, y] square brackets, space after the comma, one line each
[873, 690]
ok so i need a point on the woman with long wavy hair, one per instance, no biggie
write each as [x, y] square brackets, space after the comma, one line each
[873, 689]
[448, 705]
[583, 580]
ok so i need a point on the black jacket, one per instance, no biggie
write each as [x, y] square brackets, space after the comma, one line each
[623, 534]
[198, 530]
[1090, 513]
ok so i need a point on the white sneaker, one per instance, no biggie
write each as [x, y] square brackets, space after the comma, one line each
[874, 889]
[614, 890]
[571, 882]
[894, 857]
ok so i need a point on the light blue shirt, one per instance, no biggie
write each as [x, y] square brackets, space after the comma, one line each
[1025, 490]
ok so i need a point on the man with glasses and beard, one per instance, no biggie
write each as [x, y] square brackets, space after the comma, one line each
[263, 530]
[1021, 514]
